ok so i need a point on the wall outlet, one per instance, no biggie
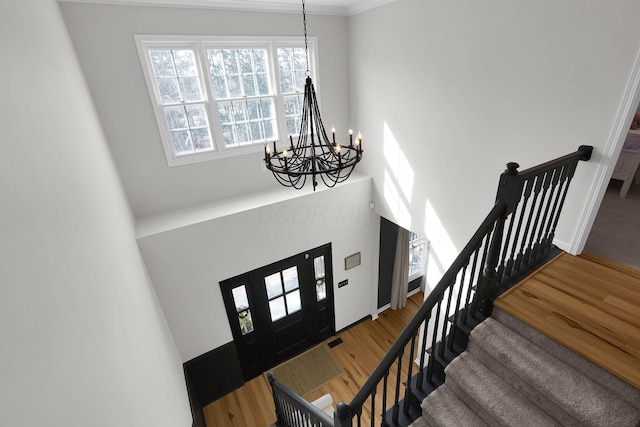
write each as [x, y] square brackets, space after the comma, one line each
[343, 283]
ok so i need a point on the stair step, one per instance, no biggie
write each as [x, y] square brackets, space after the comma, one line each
[443, 408]
[491, 398]
[570, 397]
[463, 323]
[421, 388]
[414, 412]
[613, 384]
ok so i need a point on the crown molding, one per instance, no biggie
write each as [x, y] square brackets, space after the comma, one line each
[325, 7]
[360, 6]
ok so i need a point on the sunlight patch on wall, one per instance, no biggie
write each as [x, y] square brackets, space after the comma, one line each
[442, 251]
[399, 210]
[398, 180]
[398, 164]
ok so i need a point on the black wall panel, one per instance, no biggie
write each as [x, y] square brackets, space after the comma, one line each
[213, 374]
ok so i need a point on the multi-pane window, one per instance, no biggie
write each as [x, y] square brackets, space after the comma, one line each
[283, 293]
[246, 104]
[416, 255]
[182, 99]
[293, 75]
[215, 98]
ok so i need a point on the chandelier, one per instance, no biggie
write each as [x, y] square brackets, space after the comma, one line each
[313, 153]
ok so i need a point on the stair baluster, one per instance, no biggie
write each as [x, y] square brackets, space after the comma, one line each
[495, 259]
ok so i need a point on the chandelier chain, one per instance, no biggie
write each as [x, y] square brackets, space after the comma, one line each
[306, 43]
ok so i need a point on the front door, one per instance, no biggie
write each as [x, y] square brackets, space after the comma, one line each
[280, 310]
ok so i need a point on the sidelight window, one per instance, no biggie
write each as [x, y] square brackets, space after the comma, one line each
[319, 273]
[242, 309]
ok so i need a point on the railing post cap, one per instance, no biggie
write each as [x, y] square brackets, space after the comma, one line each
[512, 168]
[586, 151]
[343, 411]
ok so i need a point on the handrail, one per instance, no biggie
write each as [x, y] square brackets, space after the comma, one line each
[432, 299]
[294, 411]
[514, 238]
[518, 177]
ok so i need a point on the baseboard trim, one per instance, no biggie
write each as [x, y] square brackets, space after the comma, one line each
[357, 322]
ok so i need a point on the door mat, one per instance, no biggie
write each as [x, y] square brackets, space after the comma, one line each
[308, 371]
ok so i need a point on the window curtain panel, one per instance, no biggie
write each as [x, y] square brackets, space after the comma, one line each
[400, 276]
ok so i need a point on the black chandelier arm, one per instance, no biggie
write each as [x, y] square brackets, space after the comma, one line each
[288, 180]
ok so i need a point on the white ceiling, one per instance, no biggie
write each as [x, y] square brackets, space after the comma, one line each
[328, 7]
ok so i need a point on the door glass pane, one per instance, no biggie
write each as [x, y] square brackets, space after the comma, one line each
[321, 289]
[277, 309]
[318, 267]
[246, 322]
[273, 285]
[290, 278]
[293, 301]
[242, 308]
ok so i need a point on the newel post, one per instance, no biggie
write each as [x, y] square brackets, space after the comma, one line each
[279, 416]
[342, 415]
[507, 191]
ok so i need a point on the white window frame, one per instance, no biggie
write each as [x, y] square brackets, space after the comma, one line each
[200, 44]
[419, 241]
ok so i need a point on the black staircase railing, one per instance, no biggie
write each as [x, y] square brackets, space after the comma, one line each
[514, 239]
[293, 411]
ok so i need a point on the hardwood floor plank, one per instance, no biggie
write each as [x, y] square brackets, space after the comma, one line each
[590, 317]
[624, 309]
[629, 271]
[590, 346]
[582, 273]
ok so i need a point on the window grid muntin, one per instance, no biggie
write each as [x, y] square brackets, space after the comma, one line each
[292, 81]
[247, 131]
[200, 44]
[283, 297]
[190, 134]
[266, 125]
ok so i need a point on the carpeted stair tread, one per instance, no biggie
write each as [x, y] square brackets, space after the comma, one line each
[443, 408]
[524, 388]
[544, 378]
[613, 384]
[491, 398]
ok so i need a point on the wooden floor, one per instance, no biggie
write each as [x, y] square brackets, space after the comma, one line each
[587, 303]
[362, 348]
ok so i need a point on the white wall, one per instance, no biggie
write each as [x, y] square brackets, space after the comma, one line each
[446, 93]
[84, 341]
[103, 38]
[187, 263]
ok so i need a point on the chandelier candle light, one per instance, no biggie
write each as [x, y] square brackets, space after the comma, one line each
[313, 154]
